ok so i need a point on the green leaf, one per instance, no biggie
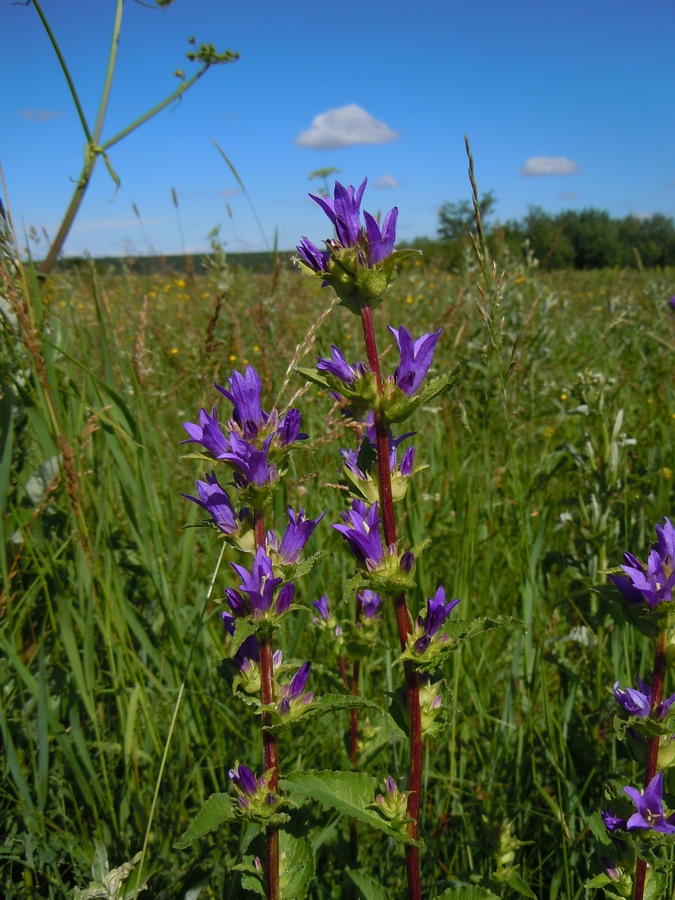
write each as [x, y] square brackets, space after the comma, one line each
[218, 808]
[297, 867]
[350, 793]
[402, 407]
[457, 631]
[243, 628]
[516, 882]
[369, 889]
[319, 706]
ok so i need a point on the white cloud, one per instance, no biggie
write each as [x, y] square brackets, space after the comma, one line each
[386, 181]
[536, 166]
[41, 115]
[345, 127]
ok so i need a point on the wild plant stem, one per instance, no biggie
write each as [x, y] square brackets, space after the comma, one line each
[270, 750]
[402, 617]
[653, 748]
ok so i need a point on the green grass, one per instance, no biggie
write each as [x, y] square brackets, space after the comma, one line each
[531, 492]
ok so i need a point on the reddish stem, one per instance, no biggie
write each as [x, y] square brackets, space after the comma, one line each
[270, 752]
[402, 616]
[653, 748]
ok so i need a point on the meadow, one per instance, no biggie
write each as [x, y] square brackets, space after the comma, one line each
[553, 454]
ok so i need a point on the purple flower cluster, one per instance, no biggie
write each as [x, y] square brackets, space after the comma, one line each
[429, 624]
[654, 581]
[649, 810]
[251, 791]
[344, 211]
[260, 589]
[298, 532]
[639, 702]
[362, 532]
[252, 432]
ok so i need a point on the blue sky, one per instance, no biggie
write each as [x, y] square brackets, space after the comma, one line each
[567, 105]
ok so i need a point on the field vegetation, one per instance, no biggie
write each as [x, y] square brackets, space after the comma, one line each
[553, 455]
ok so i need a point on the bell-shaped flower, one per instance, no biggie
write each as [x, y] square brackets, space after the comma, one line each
[639, 702]
[214, 499]
[253, 464]
[654, 581]
[649, 805]
[362, 533]
[312, 257]
[429, 624]
[298, 532]
[258, 585]
[416, 358]
[338, 366]
[207, 433]
[393, 805]
[253, 794]
[245, 395]
[370, 603]
[381, 243]
[289, 428]
[293, 695]
[344, 211]
[611, 822]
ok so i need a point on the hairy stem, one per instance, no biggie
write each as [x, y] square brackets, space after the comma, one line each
[402, 616]
[270, 750]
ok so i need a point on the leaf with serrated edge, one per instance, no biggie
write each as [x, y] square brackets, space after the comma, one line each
[217, 809]
[458, 631]
[243, 629]
[368, 888]
[298, 866]
[350, 793]
[321, 705]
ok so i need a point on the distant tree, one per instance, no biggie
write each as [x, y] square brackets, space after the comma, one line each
[457, 220]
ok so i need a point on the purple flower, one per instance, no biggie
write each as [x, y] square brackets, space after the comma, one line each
[437, 612]
[362, 533]
[293, 691]
[370, 603]
[207, 433]
[311, 255]
[244, 394]
[393, 444]
[416, 358]
[253, 464]
[244, 779]
[284, 598]
[381, 243]
[344, 212]
[289, 428]
[612, 823]
[248, 655]
[672, 302]
[298, 532]
[215, 501]
[252, 792]
[649, 805]
[653, 582]
[321, 606]
[259, 584]
[639, 703]
[339, 367]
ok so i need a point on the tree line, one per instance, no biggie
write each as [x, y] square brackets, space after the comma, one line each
[572, 239]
